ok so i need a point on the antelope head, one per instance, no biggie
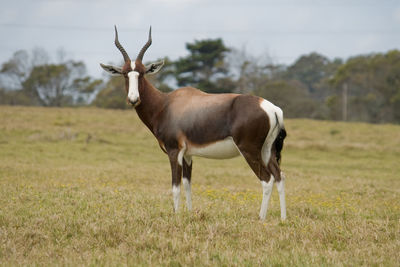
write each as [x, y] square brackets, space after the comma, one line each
[133, 71]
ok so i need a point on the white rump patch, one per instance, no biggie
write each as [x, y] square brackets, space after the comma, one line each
[133, 93]
[224, 149]
[271, 109]
[276, 122]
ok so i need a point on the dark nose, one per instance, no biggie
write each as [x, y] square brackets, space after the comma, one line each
[133, 103]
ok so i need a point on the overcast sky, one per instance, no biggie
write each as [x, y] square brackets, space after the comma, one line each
[282, 29]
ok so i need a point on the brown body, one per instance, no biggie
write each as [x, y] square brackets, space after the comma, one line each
[190, 116]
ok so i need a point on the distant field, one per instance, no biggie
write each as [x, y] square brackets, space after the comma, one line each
[91, 186]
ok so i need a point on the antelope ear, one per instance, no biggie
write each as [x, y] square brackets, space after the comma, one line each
[112, 69]
[154, 67]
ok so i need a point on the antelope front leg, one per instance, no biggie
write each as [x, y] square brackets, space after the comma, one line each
[176, 170]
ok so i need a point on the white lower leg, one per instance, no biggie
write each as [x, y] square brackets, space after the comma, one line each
[188, 191]
[267, 190]
[176, 192]
[281, 190]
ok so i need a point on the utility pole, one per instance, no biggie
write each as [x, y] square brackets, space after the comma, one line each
[344, 102]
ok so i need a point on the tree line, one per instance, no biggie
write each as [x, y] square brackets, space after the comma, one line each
[362, 88]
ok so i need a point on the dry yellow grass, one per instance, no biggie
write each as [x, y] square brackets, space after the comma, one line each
[91, 187]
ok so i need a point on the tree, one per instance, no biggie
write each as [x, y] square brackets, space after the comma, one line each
[44, 83]
[374, 86]
[313, 70]
[58, 84]
[251, 73]
[14, 97]
[14, 71]
[292, 97]
[113, 95]
[204, 66]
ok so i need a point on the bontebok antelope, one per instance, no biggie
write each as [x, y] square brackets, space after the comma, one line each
[188, 122]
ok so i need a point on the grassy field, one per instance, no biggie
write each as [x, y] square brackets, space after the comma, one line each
[91, 187]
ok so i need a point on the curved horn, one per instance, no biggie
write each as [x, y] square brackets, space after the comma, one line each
[141, 53]
[119, 46]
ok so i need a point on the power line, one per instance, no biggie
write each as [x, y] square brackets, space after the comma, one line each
[91, 53]
[213, 31]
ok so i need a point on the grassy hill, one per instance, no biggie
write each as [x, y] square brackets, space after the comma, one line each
[91, 186]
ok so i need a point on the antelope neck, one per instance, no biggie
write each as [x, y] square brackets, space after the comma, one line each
[152, 103]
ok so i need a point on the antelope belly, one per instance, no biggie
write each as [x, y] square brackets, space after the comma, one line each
[223, 149]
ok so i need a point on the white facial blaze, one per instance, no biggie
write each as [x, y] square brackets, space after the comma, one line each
[133, 93]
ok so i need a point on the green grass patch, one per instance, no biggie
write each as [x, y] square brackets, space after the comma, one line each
[89, 186]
